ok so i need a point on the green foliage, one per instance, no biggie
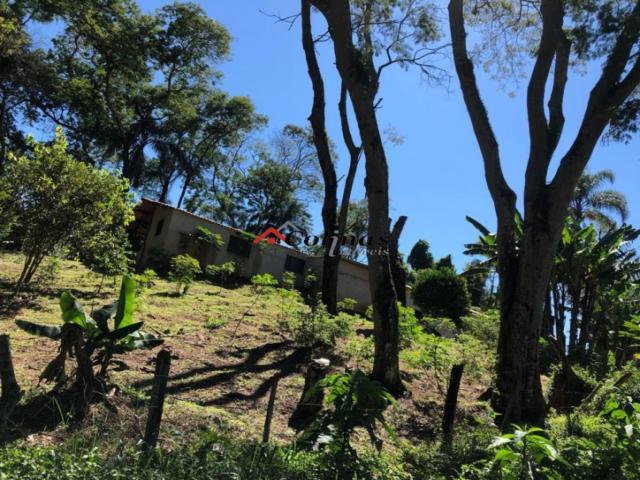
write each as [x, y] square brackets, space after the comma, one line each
[443, 327]
[360, 350]
[484, 326]
[205, 236]
[215, 323]
[526, 454]
[351, 400]
[49, 271]
[289, 280]
[409, 327]
[222, 273]
[184, 270]
[441, 292]
[420, 256]
[214, 456]
[348, 305]
[106, 254]
[316, 327]
[368, 313]
[58, 202]
[445, 262]
[263, 280]
[100, 340]
[145, 280]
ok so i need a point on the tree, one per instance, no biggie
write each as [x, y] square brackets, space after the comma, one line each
[334, 222]
[441, 292]
[123, 74]
[359, 31]
[445, 262]
[17, 62]
[476, 278]
[271, 197]
[590, 202]
[58, 201]
[188, 145]
[420, 256]
[600, 31]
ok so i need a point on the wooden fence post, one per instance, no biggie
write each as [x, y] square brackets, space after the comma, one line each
[269, 416]
[11, 392]
[163, 364]
[450, 404]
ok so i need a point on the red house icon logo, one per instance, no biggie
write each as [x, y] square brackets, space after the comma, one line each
[270, 234]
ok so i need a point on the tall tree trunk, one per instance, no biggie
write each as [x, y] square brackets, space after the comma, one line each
[359, 76]
[185, 187]
[397, 269]
[518, 369]
[525, 272]
[164, 192]
[331, 258]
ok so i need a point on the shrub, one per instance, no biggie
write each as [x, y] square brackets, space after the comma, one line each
[264, 280]
[351, 400]
[221, 274]
[443, 327]
[368, 313]
[205, 236]
[145, 280]
[360, 350]
[101, 341]
[410, 330]
[184, 269]
[289, 280]
[525, 453]
[317, 327]
[58, 201]
[483, 326]
[347, 304]
[49, 271]
[441, 292]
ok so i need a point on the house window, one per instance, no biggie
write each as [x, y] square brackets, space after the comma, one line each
[294, 264]
[159, 227]
[239, 246]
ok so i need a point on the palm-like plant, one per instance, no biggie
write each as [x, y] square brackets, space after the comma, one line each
[92, 333]
[591, 202]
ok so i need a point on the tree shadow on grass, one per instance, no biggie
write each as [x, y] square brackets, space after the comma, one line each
[224, 375]
[11, 303]
[46, 412]
[166, 294]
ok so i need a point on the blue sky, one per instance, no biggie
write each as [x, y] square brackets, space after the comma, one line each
[436, 175]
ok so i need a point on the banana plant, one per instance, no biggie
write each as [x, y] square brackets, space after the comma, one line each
[105, 332]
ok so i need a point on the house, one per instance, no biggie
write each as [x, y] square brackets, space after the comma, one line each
[162, 231]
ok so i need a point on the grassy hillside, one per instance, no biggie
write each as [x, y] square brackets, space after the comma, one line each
[228, 348]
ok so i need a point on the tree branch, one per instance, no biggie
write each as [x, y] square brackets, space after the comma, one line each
[556, 115]
[539, 151]
[501, 193]
[354, 159]
[608, 94]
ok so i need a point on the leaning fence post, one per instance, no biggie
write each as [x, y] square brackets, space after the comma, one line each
[11, 392]
[163, 364]
[269, 416]
[450, 404]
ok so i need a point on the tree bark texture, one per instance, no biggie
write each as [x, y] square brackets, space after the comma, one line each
[524, 268]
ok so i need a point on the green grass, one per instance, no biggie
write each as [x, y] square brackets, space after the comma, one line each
[227, 344]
